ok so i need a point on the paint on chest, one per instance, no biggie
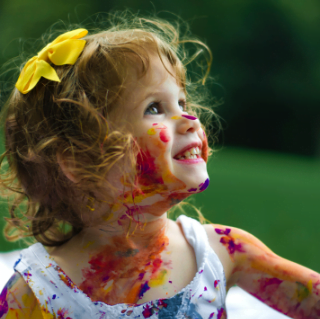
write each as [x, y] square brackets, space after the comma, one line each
[122, 274]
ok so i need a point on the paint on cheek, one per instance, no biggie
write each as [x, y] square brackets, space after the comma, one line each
[3, 302]
[164, 136]
[151, 131]
[192, 189]
[147, 170]
[189, 117]
[154, 124]
[204, 186]
[175, 117]
[205, 149]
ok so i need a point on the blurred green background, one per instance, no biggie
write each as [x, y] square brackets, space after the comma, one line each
[266, 177]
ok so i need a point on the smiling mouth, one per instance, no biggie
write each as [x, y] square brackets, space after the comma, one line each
[192, 153]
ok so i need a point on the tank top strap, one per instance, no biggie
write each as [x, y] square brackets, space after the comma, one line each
[206, 257]
[196, 236]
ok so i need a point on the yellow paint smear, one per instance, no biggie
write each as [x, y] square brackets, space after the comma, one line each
[151, 131]
[176, 117]
[159, 280]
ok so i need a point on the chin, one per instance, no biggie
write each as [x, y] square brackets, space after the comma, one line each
[197, 184]
[195, 177]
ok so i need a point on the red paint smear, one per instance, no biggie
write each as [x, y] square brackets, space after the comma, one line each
[161, 303]
[164, 136]
[147, 312]
[125, 269]
[147, 170]
[270, 284]
[155, 124]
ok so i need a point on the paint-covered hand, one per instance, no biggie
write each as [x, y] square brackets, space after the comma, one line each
[18, 301]
[287, 287]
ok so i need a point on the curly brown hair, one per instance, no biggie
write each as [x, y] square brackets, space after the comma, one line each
[71, 119]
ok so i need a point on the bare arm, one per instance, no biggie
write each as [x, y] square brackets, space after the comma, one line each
[18, 301]
[284, 285]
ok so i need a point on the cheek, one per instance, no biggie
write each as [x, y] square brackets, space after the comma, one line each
[158, 132]
[205, 149]
[164, 136]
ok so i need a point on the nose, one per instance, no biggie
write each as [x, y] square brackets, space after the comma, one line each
[188, 124]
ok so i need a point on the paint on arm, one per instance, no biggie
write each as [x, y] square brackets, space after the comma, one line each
[18, 301]
[287, 287]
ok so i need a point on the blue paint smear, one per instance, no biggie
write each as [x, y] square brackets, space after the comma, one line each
[205, 185]
[144, 287]
[16, 263]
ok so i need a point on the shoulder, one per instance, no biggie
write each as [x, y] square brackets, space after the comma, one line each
[17, 300]
[214, 241]
[234, 247]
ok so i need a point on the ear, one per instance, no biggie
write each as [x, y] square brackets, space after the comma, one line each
[67, 168]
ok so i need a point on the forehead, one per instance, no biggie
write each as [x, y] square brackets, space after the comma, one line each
[156, 77]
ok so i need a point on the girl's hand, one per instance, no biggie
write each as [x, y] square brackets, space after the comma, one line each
[287, 287]
[18, 301]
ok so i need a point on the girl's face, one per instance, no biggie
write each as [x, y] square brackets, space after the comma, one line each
[174, 147]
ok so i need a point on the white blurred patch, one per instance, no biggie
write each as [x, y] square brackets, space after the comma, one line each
[7, 260]
[241, 305]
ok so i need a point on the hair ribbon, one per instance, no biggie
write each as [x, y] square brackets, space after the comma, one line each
[65, 49]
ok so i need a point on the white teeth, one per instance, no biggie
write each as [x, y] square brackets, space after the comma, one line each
[190, 154]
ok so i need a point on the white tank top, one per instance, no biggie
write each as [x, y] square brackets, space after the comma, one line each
[203, 298]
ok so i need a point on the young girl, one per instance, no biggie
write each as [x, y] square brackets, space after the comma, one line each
[103, 139]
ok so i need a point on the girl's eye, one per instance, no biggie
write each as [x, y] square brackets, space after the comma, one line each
[156, 107]
[153, 109]
[183, 105]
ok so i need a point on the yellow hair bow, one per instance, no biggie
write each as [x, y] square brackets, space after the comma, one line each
[65, 49]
